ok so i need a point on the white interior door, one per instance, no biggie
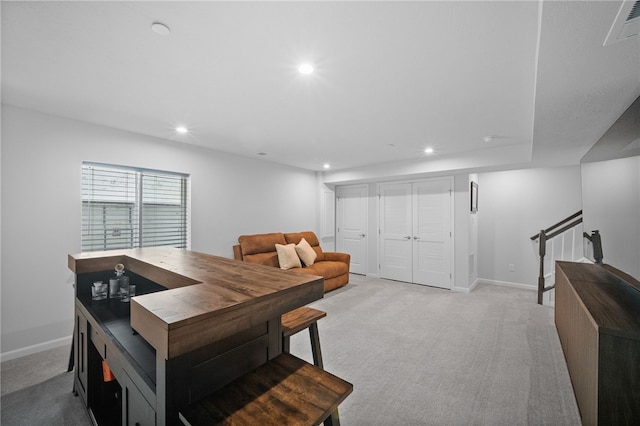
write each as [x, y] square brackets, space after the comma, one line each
[352, 225]
[432, 233]
[416, 232]
[395, 232]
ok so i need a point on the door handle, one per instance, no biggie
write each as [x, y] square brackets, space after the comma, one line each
[362, 235]
[415, 237]
[408, 237]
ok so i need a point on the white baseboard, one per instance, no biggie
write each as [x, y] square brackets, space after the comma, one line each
[370, 275]
[474, 284]
[40, 347]
[465, 289]
[508, 284]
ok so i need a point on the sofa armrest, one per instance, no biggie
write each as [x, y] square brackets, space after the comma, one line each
[337, 257]
[237, 252]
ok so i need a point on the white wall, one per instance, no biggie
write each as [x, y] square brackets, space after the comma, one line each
[611, 203]
[513, 206]
[465, 234]
[41, 183]
[231, 195]
[326, 215]
[473, 235]
[460, 232]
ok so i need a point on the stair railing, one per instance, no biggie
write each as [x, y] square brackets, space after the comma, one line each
[545, 235]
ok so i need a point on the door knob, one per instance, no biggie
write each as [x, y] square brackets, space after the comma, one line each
[416, 237]
[362, 235]
[408, 237]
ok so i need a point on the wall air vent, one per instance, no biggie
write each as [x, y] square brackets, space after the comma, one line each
[626, 24]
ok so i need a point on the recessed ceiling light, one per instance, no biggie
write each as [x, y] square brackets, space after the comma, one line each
[160, 28]
[487, 139]
[428, 150]
[326, 165]
[182, 130]
[305, 68]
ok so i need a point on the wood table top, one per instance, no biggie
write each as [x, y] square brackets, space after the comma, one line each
[613, 302]
[208, 297]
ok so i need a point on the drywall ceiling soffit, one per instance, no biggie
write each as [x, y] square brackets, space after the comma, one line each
[583, 86]
[388, 82]
[621, 140]
[480, 160]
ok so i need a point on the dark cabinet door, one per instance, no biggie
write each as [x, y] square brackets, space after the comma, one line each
[137, 411]
[81, 357]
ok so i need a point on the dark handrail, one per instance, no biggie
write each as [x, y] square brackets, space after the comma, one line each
[543, 236]
[562, 222]
[566, 228]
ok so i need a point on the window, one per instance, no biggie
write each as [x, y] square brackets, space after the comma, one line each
[127, 208]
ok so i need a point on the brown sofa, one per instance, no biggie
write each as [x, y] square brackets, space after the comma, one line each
[261, 248]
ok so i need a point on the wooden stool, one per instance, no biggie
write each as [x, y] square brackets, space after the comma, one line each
[299, 319]
[284, 391]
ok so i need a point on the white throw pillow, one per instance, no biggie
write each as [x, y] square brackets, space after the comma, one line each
[306, 253]
[287, 256]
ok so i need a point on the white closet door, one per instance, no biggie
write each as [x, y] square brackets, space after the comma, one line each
[395, 232]
[432, 234]
[352, 225]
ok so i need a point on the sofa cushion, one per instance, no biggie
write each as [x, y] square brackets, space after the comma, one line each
[312, 239]
[287, 256]
[328, 269]
[261, 248]
[269, 258]
[260, 243]
[305, 252]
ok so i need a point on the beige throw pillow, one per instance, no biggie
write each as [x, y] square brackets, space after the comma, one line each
[287, 256]
[306, 253]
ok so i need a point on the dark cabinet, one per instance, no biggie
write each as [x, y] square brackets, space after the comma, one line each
[112, 401]
[179, 339]
[136, 410]
[81, 355]
[114, 366]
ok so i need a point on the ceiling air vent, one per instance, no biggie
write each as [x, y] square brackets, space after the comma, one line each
[626, 24]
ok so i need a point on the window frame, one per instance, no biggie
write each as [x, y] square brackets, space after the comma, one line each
[171, 190]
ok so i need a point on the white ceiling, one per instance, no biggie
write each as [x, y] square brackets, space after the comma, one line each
[391, 77]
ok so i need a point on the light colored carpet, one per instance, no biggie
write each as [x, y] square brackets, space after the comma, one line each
[32, 369]
[418, 355]
[48, 403]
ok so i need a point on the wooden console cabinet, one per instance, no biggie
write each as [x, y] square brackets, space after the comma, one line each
[197, 323]
[597, 316]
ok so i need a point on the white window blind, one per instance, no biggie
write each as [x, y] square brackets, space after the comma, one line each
[127, 208]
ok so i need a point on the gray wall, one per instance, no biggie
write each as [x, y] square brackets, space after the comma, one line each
[513, 206]
[41, 183]
[611, 191]
[231, 195]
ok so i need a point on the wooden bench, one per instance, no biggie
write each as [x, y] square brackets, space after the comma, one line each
[299, 319]
[284, 391]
